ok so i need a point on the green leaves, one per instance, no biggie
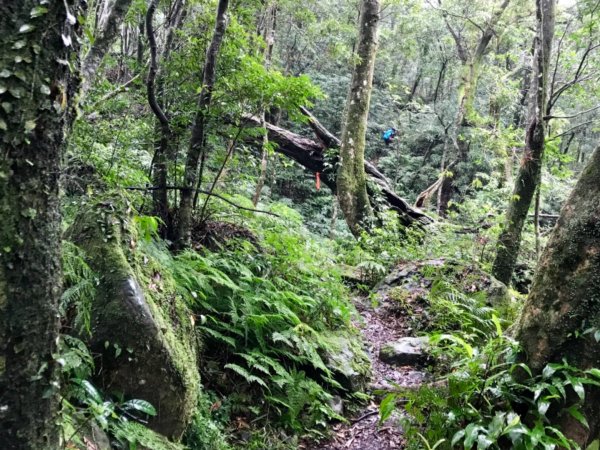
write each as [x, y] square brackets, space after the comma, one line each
[139, 405]
[468, 349]
[26, 28]
[574, 411]
[387, 407]
[38, 11]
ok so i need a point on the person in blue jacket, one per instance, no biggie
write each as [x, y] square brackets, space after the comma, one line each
[389, 135]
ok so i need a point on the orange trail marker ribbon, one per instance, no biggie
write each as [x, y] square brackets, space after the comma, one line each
[318, 181]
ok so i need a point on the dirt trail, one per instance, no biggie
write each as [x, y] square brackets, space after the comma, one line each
[379, 325]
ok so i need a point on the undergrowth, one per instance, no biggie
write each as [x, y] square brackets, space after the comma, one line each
[266, 316]
[269, 315]
[485, 397]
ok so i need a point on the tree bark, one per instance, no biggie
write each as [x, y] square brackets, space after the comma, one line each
[268, 34]
[528, 177]
[351, 177]
[565, 298]
[34, 118]
[157, 101]
[160, 199]
[110, 17]
[190, 178]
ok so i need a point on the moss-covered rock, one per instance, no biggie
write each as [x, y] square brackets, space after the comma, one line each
[347, 360]
[140, 328]
[146, 439]
[416, 278]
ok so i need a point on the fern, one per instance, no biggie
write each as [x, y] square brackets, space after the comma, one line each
[80, 282]
[247, 375]
[272, 311]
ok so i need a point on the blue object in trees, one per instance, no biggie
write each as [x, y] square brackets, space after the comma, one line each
[388, 135]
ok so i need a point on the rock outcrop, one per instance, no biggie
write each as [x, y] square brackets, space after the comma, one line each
[140, 328]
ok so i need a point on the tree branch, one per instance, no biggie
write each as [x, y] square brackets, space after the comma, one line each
[201, 191]
[572, 115]
[310, 154]
[571, 129]
[158, 112]
[576, 78]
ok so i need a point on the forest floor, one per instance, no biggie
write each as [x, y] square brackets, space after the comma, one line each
[379, 324]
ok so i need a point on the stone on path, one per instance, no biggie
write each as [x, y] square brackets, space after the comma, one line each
[408, 351]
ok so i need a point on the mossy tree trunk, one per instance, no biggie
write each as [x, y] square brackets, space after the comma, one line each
[465, 114]
[529, 174]
[351, 177]
[197, 147]
[34, 119]
[565, 298]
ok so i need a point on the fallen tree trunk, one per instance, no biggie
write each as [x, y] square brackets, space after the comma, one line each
[311, 155]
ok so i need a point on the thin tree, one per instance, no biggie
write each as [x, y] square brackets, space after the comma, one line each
[159, 161]
[34, 119]
[267, 31]
[197, 141]
[529, 174]
[565, 299]
[156, 100]
[471, 60]
[351, 177]
[110, 17]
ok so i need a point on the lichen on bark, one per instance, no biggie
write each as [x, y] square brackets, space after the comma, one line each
[351, 177]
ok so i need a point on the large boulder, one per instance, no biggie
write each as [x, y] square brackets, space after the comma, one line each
[140, 328]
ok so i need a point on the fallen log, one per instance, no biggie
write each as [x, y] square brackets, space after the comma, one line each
[311, 155]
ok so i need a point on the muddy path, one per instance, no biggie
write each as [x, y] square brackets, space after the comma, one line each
[379, 324]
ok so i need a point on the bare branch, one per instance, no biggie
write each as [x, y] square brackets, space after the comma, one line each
[573, 115]
[576, 78]
[571, 129]
[201, 191]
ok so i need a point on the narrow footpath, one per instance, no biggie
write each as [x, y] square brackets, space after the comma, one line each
[380, 325]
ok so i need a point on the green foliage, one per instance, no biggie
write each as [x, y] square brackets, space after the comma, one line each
[205, 431]
[80, 283]
[487, 397]
[265, 310]
[267, 314]
[83, 406]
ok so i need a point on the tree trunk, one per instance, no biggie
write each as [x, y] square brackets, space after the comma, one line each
[32, 132]
[159, 161]
[565, 298]
[351, 177]
[190, 177]
[157, 101]
[268, 34]
[140, 45]
[528, 177]
[110, 17]
[467, 88]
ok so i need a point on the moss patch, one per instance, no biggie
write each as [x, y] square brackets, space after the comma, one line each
[347, 360]
[140, 326]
